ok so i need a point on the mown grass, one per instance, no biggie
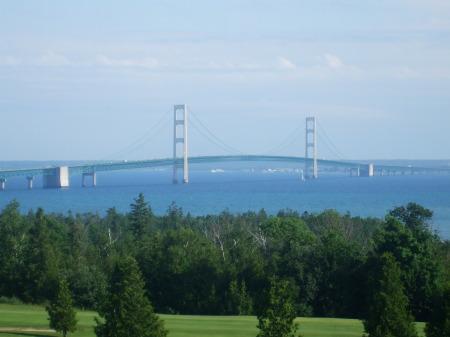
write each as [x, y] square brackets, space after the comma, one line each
[23, 317]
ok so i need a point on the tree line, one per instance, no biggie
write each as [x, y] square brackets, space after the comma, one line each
[330, 263]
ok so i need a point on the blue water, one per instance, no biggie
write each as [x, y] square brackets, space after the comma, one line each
[240, 190]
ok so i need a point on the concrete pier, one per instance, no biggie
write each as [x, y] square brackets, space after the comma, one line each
[2, 184]
[30, 182]
[362, 171]
[59, 180]
[366, 170]
[94, 178]
[354, 171]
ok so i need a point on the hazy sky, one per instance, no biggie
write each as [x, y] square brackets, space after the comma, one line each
[84, 79]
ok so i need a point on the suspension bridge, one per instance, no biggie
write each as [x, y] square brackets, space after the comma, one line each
[58, 176]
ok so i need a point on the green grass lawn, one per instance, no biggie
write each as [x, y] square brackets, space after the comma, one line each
[23, 317]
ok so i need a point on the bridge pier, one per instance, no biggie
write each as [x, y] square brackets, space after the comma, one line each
[354, 170]
[366, 170]
[30, 182]
[94, 178]
[2, 184]
[362, 171]
[59, 179]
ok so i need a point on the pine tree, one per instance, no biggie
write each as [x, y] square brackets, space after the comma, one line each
[62, 314]
[13, 243]
[240, 302]
[388, 315]
[278, 314]
[41, 262]
[128, 312]
[140, 217]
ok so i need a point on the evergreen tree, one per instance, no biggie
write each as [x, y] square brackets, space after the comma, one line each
[140, 217]
[41, 263]
[173, 218]
[128, 312]
[278, 314]
[75, 236]
[388, 315]
[439, 324]
[240, 302]
[13, 243]
[62, 314]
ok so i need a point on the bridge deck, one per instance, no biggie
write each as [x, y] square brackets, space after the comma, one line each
[127, 165]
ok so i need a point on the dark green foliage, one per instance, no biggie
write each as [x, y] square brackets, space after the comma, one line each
[173, 218]
[127, 312]
[278, 313]
[88, 284]
[414, 216]
[290, 248]
[439, 324]
[62, 314]
[41, 262]
[183, 272]
[342, 278]
[76, 232]
[140, 218]
[13, 246]
[388, 315]
[221, 264]
[414, 247]
[240, 302]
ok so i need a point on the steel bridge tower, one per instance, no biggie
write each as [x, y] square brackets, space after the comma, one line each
[310, 144]
[180, 136]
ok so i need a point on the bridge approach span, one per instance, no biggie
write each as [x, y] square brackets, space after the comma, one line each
[58, 176]
[129, 165]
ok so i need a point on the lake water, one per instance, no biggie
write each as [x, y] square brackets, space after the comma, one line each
[239, 189]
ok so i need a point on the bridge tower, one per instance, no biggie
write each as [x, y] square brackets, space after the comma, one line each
[180, 136]
[310, 144]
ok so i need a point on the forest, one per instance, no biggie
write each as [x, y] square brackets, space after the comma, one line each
[221, 264]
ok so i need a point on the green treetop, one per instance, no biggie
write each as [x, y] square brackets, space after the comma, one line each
[62, 314]
[278, 314]
[388, 315]
[128, 312]
[140, 217]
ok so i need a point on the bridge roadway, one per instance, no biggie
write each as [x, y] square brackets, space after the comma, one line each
[92, 169]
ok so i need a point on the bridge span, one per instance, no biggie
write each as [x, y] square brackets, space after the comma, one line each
[58, 176]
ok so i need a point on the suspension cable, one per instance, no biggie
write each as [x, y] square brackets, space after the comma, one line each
[211, 140]
[144, 139]
[148, 140]
[327, 146]
[217, 141]
[288, 141]
[336, 152]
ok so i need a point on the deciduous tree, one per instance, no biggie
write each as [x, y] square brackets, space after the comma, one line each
[414, 248]
[278, 314]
